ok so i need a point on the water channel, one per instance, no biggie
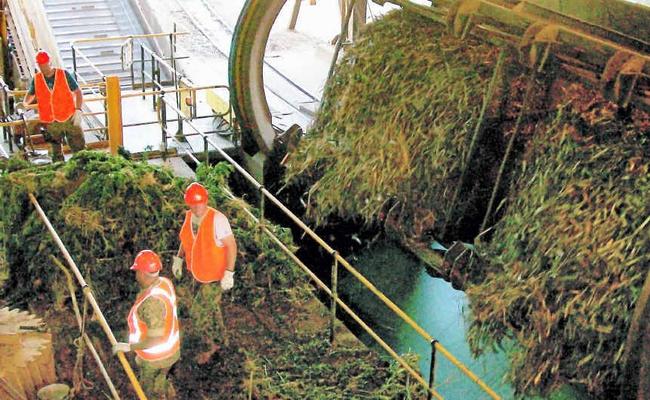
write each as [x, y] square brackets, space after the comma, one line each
[438, 308]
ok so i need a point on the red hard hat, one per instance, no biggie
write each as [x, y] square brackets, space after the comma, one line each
[42, 57]
[147, 261]
[196, 194]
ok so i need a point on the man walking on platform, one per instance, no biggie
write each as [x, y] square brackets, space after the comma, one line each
[154, 332]
[59, 101]
[210, 252]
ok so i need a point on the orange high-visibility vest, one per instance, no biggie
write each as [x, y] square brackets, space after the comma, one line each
[56, 104]
[203, 257]
[163, 290]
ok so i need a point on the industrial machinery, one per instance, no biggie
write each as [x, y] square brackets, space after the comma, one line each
[603, 43]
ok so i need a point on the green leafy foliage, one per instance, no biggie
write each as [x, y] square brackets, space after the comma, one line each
[570, 255]
[380, 147]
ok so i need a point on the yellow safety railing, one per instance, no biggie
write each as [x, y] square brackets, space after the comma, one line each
[436, 346]
[89, 296]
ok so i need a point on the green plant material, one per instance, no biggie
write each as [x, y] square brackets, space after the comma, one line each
[381, 145]
[568, 258]
[341, 373]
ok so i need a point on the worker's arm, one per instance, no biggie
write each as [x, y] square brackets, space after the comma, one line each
[231, 250]
[29, 99]
[79, 98]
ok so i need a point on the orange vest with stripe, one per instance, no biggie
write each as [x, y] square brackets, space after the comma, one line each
[163, 290]
[203, 257]
[56, 104]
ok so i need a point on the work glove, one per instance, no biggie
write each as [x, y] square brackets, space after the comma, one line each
[76, 118]
[177, 267]
[121, 347]
[228, 280]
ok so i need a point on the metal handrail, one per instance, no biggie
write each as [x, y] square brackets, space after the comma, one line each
[89, 296]
[436, 346]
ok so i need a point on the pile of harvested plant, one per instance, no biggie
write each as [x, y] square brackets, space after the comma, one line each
[569, 257]
[106, 209]
[381, 149]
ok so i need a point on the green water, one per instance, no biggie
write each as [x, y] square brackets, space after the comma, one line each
[438, 308]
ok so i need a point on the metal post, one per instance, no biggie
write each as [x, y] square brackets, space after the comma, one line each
[74, 62]
[206, 149]
[432, 368]
[335, 294]
[142, 69]
[153, 79]
[294, 14]
[163, 122]
[113, 105]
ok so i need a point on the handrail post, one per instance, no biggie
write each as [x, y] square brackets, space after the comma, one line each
[432, 368]
[113, 106]
[335, 294]
[206, 148]
[153, 78]
[142, 69]
[74, 61]
[163, 122]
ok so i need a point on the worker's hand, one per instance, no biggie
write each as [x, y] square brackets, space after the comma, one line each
[228, 280]
[121, 347]
[177, 267]
[76, 117]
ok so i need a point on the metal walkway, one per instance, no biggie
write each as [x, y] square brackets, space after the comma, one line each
[82, 19]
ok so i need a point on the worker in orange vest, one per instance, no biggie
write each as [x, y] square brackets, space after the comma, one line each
[210, 252]
[59, 100]
[153, 327]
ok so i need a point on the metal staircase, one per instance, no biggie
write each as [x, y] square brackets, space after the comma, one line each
[83, 19]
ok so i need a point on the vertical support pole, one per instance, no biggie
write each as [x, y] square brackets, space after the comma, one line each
[163, 122]
[294, 14]
[335, 294]
[132, 68]
[432, 368]
[142, 69]
[206, 149]
[114, 113]
[153, 80]
[344, 33]
[74, 62]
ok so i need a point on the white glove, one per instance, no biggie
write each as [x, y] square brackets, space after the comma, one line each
[177, 267]
[228, 280]
[121, 347]
[76, 118]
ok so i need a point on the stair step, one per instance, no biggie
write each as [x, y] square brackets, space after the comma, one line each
[76, 16]
[58, 9]
[62, 27]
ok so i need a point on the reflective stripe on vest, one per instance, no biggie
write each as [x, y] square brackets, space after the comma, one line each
[164, 290]
[56, 104]
[203, 257]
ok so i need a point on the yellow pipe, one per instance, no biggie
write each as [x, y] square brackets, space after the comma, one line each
[114, 113]
[91, 299]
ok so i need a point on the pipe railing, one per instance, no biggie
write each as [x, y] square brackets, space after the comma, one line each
[436, 346]
[89, 296]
